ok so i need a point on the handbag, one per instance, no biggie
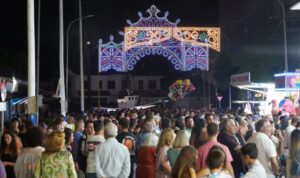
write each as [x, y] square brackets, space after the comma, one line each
[295, 168]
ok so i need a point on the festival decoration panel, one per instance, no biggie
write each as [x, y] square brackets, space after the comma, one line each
[111, 56]
[199, 36]
[186, 47]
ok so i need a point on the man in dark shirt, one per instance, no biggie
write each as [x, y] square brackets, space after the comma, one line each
[129, 140]
[229, 139]
[82, 145]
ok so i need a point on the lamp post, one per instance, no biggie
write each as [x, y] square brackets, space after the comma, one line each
[67, 53]
[284, 37]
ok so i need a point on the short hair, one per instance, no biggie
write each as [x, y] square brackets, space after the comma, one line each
[165, 123]
[34, 137]
[215, 158]
[55, 142]
[98, 125]
[106, 121]
[250, 149]
[110, 130]
[243, 122]
[227, 123]
[148, 127]
[294, 120]
[208, 115]
[187, 118]
[284, 124]
[249, 134]
[212, 129]
[180, 140]
[124, 123]
[79, 121]
[179, 123]
[58, 121]
[260, 124]
[88, 122]
[68, 133]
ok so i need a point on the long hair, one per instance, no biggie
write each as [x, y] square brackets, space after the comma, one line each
[295, 144]
[199, 134]
[187, 159]
[166, 138]
[12, 147]
[180, 140]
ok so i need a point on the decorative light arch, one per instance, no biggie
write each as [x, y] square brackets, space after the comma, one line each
[186, 47]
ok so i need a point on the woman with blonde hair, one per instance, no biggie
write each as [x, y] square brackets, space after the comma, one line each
[162, 165]
[181, 140]
[185, 165]
[55, 161]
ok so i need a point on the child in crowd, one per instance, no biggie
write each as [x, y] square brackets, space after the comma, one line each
[216, 161]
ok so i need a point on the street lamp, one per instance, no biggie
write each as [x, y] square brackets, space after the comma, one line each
[284, 37]
[67, 53]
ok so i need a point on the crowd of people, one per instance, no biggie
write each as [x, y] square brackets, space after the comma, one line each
[152, 143]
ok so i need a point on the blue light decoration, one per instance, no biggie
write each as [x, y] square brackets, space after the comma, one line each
[186, 48]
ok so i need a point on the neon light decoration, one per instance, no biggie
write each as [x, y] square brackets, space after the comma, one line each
[111, 56]
[186, 47]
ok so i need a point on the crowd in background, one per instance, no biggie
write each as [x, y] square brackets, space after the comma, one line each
[152, 143]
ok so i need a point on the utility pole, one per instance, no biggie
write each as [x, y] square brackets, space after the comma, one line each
[81, 60]
[286, 69]
[61, 59]
[31, 108]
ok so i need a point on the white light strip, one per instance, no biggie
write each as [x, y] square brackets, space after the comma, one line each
[287, 74]
[287, 89]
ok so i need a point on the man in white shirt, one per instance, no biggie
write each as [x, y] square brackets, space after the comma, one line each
[287, 143]
[249, 155]
[267, 154]
[112, 158]
[288, 132]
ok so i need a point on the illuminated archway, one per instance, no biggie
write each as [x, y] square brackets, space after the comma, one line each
[186, 47]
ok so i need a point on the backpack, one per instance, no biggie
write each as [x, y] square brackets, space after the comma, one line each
[129, 142]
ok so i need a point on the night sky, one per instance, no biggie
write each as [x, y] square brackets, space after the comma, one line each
[110, 18]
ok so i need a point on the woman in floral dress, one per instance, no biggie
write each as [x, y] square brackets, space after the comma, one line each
[56, 161]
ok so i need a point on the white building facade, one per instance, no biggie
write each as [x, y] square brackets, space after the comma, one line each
[107, 88]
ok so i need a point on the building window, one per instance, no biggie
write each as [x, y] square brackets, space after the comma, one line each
[152, 84]
[124, 84]
[111, 85]
[100, 84]
[140, 84]
[86, 85]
